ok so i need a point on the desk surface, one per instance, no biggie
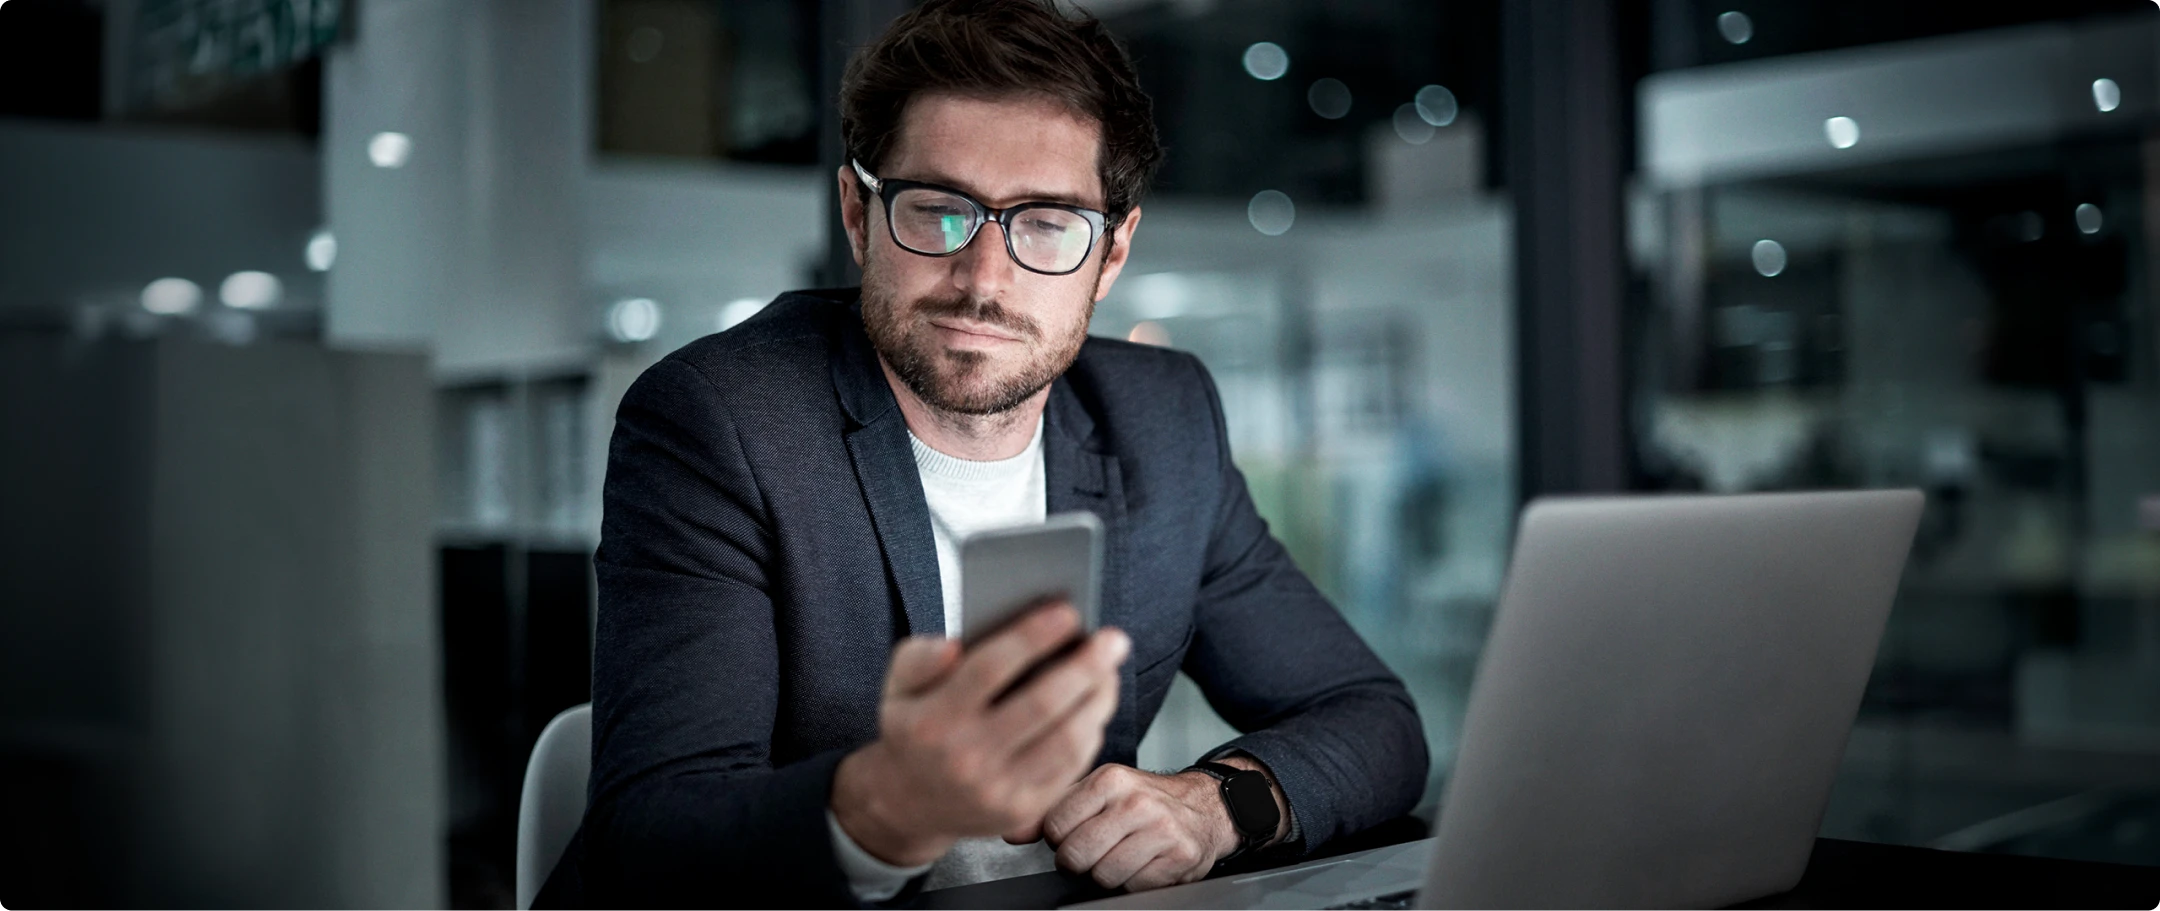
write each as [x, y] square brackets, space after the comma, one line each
[1840, 874]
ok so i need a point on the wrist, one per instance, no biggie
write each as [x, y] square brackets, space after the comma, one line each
[862, 805]
[1282, 803]
[1204, 794]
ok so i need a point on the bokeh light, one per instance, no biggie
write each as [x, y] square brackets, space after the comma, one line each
[389, 150]
[2089, 218]
[1412, 126]
[171, 296]
[2107, 96]
[321, 250]
[1769, 258]
[1843, 132]
[1271, 212]
[251, 290]
[634, 319]
[1267, 61]
[1436, 105]
[735, 311]
[1735, 27]
[1329, 98]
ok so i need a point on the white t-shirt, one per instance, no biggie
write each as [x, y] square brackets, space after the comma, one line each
[965, 497]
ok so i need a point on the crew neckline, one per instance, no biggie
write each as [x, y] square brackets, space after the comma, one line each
[955, 468]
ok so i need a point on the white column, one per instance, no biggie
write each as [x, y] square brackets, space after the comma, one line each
[470, 246]
[400, 225]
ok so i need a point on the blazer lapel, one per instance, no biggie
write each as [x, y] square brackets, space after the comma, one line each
[877, 442]
[1076, 477]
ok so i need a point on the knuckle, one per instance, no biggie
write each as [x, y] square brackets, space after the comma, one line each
[916, 729]
[964, 765]
[1040, 699]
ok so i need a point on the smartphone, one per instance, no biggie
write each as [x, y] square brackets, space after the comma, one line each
[1005, 571]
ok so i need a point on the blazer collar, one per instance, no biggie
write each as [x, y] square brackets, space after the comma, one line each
[857, 378]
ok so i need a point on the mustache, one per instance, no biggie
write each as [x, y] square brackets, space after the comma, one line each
[978, 309]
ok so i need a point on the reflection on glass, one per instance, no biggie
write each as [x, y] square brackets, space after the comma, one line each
[1976, 322]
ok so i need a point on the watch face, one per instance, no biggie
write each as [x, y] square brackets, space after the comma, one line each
[1252, 804]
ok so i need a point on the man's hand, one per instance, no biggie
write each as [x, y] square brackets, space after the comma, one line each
[1139, 830]
[958, 756]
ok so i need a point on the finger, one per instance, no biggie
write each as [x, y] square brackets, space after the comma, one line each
[1062, 754]
[1136, 850]
[918, 663]
[992, 664]
[1085, 846]
[1164, 870]
[1080, 803]
[1045, 701]
[1027, 834]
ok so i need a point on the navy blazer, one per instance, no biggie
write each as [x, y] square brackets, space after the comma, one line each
[765, 542]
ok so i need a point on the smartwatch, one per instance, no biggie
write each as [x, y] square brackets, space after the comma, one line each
[1251, 801]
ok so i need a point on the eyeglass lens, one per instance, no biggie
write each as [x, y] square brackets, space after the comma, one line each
[1043, 239]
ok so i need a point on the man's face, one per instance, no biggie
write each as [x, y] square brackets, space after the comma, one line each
[974, 332]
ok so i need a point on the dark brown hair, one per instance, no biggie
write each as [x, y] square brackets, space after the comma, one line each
[994, 48]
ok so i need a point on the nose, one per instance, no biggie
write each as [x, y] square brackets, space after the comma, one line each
[983, 270]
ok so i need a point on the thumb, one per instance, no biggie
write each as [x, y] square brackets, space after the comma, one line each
[918, 663]
[1027, 834]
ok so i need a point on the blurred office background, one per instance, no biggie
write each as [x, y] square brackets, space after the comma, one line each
[314, 314]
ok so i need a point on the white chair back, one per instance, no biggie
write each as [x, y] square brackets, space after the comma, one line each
[554, 799]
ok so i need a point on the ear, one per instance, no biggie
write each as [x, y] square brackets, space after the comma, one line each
[854, 214]
[1114, 262]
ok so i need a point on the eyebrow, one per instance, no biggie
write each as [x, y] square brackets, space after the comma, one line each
[1024, 196]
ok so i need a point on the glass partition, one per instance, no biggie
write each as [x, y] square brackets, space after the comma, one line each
[1327, 238]
[1929, 264]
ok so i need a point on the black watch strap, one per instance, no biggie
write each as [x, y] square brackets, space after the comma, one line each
[1250, 800]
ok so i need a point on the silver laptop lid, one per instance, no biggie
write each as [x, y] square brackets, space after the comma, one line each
[1661, 707]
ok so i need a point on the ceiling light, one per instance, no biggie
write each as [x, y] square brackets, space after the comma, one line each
[171, 296]
[251, 290]
[2107, 96]
[1843, 132]
[321, 250]
[636, 319]
[389, 150]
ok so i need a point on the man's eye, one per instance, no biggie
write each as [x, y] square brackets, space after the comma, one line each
[936, 210]
[1045, 226]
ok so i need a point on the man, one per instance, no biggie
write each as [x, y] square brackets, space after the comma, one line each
[779, 718]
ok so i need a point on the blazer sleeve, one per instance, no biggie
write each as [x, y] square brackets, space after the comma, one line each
[685, 805]
[1278, 662]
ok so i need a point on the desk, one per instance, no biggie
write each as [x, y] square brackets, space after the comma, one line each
[1840, 874]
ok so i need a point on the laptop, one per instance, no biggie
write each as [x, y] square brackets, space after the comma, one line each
[1657, 717]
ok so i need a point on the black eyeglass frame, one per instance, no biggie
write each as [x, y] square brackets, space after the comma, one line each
[887, 188]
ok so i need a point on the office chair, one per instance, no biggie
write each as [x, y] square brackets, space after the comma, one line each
[553, 802]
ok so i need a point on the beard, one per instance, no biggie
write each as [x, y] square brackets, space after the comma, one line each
[967, 382]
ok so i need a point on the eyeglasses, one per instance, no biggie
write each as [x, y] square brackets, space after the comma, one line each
[1046, 237]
